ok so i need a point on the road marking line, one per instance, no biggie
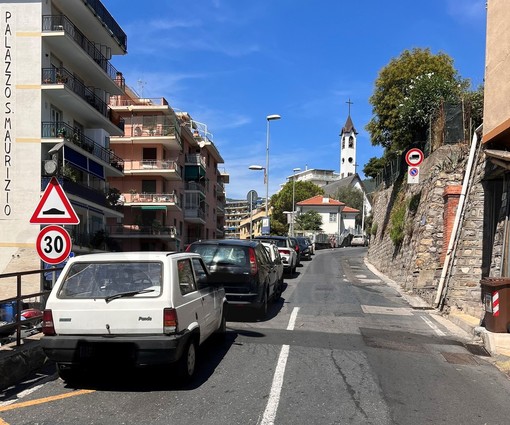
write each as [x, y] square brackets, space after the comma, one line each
[2, 422]
[276, 388]
[44, 400]
[438, 331]
[292, 320]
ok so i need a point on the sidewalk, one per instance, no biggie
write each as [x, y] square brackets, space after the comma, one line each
[497, 344]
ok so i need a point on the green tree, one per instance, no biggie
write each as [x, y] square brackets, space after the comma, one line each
[406, 91]
[282, 201]
[373, 167]
[352, 197]
[310, 220]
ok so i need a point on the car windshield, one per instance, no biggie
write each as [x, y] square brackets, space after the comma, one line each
[106, 280]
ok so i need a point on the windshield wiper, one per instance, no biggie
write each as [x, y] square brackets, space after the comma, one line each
[127, 294]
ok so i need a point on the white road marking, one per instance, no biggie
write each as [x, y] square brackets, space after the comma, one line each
[28, 391]
[438, 331]
[276, 387]
[292, 320]
[360, 276]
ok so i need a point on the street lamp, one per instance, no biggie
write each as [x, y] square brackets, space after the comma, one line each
[268, 118]
[294, 170]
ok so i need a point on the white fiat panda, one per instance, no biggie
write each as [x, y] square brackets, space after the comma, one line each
[133, 308]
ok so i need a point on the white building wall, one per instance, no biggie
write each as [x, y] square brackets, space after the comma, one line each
[20, 112]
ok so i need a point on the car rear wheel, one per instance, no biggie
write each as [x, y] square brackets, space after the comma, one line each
[262, 312]
[187, 363]
[68, 373]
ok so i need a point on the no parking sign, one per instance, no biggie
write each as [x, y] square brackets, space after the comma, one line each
[413, 175]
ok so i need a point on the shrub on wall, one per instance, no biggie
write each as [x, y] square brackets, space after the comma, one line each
[397, 219]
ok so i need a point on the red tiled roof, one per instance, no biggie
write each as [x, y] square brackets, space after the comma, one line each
[350, 210]
[319, 200]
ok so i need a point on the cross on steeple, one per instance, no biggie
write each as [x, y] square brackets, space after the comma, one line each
[349, 103]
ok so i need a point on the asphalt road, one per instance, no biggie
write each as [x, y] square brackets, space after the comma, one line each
[341, 347]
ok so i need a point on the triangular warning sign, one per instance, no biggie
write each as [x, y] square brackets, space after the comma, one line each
[54, 207]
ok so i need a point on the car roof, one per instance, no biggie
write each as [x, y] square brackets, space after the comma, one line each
[271, 237]
[129, 256]
[231, 242]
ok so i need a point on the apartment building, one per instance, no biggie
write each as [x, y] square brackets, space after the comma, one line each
[57, 81]
[173, 192]
[237, 210]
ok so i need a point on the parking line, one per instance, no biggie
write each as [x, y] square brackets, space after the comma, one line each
[44, 400]
[276, 387]
[292, 320]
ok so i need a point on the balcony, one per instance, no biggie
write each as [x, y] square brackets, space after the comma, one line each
[107, 19]
[194, 215]
[196, 167]
[59, 83]
[152, 201]
[68, 134]
[195, 187]
[87, 194]
[64, 36]
[168, 169]
[150, 129]
[136, 231]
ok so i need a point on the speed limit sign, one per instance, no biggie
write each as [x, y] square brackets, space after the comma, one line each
[53, 244]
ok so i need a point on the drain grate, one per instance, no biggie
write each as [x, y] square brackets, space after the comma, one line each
[477, 350]
[460, 358]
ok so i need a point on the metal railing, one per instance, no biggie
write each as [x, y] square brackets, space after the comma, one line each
[17, 324]
[63, 23]
[106, 18]
[68, 133]
[63, 76]
[194, 213]
[135, 229]
[153, 198]
[195, 159]
[81, 190]
[152, 164]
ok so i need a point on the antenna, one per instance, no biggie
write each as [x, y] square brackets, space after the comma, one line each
[141, 85]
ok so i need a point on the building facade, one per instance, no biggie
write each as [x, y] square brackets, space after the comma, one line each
[173, 192]
[57, 82]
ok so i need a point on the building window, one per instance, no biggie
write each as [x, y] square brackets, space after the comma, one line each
[332, 217]
[351, 142]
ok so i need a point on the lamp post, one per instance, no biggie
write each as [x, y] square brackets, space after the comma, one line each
[294, 170]
[268, 118]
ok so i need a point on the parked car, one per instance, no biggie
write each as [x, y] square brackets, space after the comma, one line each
[286, 248]
[276, 258]
[304, 248]
[244, 268]
[310, 245]
[297, 248]
[359, 240]
[133, 309]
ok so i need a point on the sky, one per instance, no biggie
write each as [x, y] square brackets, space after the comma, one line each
[231, 63]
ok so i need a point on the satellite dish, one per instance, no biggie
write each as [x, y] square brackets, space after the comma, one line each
[201, 144]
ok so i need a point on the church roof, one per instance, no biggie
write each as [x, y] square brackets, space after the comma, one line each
[332, 187]
[348, 127]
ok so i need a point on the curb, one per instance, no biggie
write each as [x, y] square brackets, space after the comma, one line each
[17, 362]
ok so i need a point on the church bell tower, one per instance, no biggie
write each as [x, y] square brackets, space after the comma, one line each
[348, 147]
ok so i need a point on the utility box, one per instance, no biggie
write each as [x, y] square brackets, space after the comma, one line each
[496, 301]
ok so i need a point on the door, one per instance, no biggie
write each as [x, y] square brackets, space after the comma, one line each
[210, 298]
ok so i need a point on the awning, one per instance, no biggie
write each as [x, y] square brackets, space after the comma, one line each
[153, 207]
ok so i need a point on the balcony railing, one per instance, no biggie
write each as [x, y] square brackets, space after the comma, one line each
[195, 159]
[142, 101]
[62, 23]
[194, 213]
[151, 198]
[135, 229]
[68, 133]
[74, 188]
[63, 76]
[149, 164]
[195, 187]
[106, 18]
